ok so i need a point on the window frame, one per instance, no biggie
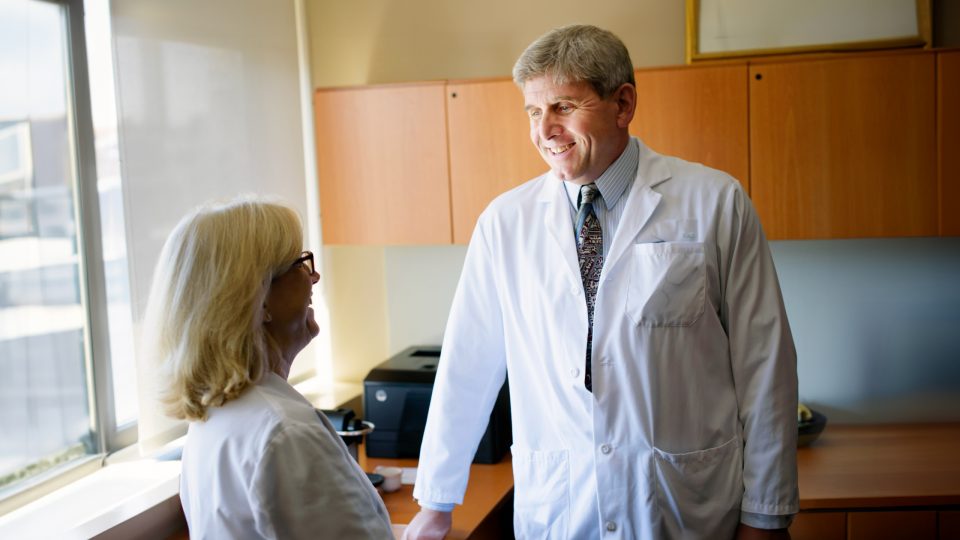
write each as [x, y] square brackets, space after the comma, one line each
[108, 436]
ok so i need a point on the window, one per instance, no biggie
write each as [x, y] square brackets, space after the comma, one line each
[123, 388]
[63, 275]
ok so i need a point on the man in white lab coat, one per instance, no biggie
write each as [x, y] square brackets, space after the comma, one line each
[672, 415]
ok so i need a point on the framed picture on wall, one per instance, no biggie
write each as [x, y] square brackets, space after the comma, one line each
[737, 28]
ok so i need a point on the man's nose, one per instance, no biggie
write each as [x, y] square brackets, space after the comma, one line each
[549, 127]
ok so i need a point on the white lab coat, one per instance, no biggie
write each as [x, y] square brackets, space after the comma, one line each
[693, 412]
[266, 465]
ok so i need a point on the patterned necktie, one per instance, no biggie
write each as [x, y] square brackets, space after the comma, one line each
[590, 253]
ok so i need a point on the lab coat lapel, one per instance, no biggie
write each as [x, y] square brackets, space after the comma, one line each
[642, 202]
[559, 224]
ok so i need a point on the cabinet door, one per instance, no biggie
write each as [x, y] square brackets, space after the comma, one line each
[382, 165]
[893, 525]
[948, 525]
[819, 526]
[696, 113]
[948, 141]
[844, 148]
[490, 148]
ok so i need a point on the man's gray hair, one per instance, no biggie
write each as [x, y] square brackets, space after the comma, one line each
[577, 53]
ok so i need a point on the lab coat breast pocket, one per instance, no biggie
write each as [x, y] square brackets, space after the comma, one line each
[667, 284]
[542, 504]
[699, 492]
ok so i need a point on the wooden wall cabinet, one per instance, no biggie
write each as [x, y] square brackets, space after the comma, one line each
[490, 148]
[850, 146]
[696, 113]
[844, 148]
[948, 141]
[418, 163]
[382, 164]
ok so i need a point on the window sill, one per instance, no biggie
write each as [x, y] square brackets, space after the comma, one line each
[132, 497]
[138, 496]
[332, 397]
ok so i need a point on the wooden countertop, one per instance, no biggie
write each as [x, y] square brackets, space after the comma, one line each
[881, 466]
[848, 467]
[490, 488]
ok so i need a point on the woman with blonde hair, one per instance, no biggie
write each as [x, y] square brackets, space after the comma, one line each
[230, 308]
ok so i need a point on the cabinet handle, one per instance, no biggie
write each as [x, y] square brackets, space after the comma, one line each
[453, 94]
[758, 76]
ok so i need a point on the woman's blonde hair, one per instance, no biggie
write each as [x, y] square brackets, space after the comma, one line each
[204, 321]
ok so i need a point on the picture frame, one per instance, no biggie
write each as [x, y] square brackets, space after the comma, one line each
[718, 29]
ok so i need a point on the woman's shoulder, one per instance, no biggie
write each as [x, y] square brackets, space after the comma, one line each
[285, 404]
[258, 415]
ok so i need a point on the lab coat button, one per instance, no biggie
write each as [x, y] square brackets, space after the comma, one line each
[605, 449]
[575, 290]
[611, 526]
[574, 372]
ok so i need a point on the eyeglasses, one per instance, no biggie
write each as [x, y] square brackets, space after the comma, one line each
[306, 259]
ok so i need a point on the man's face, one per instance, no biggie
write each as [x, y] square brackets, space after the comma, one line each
[576, 132]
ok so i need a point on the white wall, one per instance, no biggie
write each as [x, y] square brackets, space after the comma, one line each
[209, 101]
[209, 108]
[377, 41]
[876, 326]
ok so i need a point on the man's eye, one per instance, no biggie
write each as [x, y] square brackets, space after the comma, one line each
[564, 108]
[533, 114]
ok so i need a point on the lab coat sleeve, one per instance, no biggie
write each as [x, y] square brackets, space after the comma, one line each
[469, 377]
[763, 362]
[305, 486]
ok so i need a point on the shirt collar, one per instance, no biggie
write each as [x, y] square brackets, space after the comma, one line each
[615, 180]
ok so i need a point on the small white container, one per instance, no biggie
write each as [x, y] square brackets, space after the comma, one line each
[392, 477]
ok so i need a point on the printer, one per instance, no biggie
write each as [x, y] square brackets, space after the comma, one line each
[396, 398]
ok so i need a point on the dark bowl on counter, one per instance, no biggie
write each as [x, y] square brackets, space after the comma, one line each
[809, 431]
[375, 479]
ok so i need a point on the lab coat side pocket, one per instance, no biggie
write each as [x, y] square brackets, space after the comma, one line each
[667, 284]
[542, 493]
[699, 492]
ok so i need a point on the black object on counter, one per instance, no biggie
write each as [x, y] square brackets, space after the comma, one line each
[375, 479]
[350, 428]
[396, 397]
[809, 431]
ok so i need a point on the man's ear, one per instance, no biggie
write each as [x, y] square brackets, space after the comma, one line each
[626, 99]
